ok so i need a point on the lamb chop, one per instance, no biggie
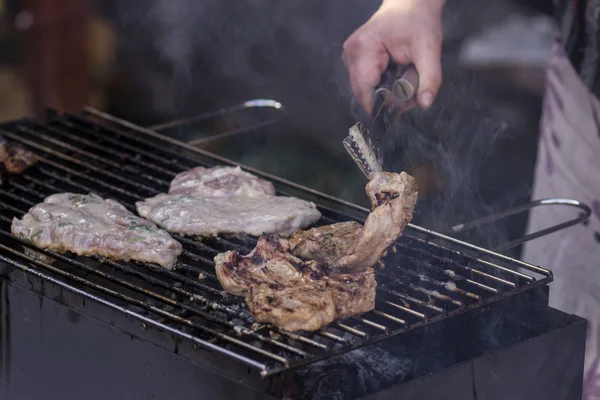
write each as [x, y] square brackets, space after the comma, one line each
[313, 305]
[292, 308]
[348, 246]
[269, 263]
[208, 201]
[90, 225]
[14, 159]
[290, 293]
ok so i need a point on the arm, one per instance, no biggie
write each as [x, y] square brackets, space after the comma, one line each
[405, 31]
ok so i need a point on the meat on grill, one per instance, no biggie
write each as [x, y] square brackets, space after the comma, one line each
[90, 225]
[349, 246]
[197, 215]
[290, 293]
[14, 159]
[221, 182]
[268, 263]
[293, 308]
[312, 306]
[205, 202]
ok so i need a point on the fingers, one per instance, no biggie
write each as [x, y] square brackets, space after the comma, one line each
[426, 55]
[364, 76]
[368, 51]
[365, 63]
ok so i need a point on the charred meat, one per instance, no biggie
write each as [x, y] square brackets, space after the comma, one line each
[208, 201]
[268, 263]
[90, 225]
[294, 308]
[313, 305]
[349, 246]
[14, 159]
[353, 294]
[292, 294]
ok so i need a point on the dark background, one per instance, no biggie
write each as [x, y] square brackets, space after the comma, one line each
[153, 61]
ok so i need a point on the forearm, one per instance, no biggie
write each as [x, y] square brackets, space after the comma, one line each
[412, 4]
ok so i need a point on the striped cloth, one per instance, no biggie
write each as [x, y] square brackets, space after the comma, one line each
[568, 166]
[580, 32]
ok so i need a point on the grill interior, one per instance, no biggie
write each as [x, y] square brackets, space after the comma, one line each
[426, 277]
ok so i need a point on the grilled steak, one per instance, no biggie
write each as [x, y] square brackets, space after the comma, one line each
[353, 294]
[204, 202]
[14, 159]
[268, 263]
[290, 293]
[221, 182]
[90, 225]
[294, 308]
[348, 246]
[313, 305]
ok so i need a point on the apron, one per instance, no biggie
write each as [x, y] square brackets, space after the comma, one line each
[568, 166]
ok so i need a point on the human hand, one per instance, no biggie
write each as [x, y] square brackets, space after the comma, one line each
[403, 31]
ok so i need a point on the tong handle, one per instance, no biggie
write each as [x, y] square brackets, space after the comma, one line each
[405, 88]
[401, 81]
[398, 85]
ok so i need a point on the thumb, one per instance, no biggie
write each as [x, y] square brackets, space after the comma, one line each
[426, 55]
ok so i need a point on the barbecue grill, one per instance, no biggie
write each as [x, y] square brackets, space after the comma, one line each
[451, 318]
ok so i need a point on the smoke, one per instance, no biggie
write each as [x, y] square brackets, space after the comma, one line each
[210, 53]
[467, 158]
[188, 56]
[355, 374]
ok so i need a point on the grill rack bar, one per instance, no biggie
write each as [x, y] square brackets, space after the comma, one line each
[415, 308]
[150, 279]
[228, 111]
[120, 124]
[585, 210]
[88, 295]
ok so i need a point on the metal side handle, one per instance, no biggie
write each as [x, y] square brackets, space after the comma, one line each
[584, 216]
[246, 105]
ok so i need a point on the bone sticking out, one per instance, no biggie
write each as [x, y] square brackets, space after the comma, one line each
[361, 152]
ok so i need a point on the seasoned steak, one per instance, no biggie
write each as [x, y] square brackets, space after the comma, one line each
[90, 225]
[327, 243]
[290, 293]
[14, 159]
[204, 202]
[348, 246]
[197, 215]
[221, 182]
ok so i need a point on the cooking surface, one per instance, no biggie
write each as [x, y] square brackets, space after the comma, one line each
[422, 282]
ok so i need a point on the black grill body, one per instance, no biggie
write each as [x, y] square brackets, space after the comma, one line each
[449, 316]
[55, 344]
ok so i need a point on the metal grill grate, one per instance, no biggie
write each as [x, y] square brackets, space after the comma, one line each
[426, 277]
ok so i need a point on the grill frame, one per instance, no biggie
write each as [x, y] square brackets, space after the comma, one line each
[131, 131]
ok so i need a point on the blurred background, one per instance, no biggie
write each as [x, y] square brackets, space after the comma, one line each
[154, 61]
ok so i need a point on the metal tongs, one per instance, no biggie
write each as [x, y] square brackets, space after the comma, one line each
[394, 95]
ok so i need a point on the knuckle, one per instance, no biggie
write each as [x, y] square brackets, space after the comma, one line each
[432, 39]
[356, 42]
[432, 75]
[350, 45]
[436, 81]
